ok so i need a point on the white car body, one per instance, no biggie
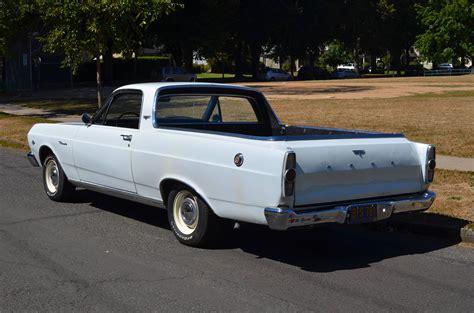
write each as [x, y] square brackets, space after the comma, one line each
[176, 74]
[445, 66]
[274, 74]
[348, 66]
[335, 169]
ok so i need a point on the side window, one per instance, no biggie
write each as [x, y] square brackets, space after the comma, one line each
[236, 110]
[124, 110]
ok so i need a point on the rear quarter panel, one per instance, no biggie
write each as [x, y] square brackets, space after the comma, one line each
[206, 163]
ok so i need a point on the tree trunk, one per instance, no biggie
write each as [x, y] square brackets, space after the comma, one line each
[188, 57]
[463, 61]
[238, 59]
[135, 66]
[99, 81]
[292, 65]
[255, 51]
[407, 56]
[373, 63]
[108, 66]
[222, 66]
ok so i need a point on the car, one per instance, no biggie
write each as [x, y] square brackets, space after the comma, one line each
[348, 66]
[344, 73]
[312, 72]
[445, 66]
[274, 74]
[176, 74]
[212, 153]
[414, 70]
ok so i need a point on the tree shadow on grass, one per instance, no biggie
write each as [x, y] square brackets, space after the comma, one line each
[322, 249]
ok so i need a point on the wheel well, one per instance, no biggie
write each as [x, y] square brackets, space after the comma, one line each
[168, 185]
[43, 153]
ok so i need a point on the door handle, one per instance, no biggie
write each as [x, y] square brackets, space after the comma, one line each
[127, 137]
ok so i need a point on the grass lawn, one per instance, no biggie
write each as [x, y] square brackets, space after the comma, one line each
[445, 120]
[455, 194]
[217, 78]
[13, 130]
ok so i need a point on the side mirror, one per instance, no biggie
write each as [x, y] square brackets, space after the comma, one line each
[85, 118]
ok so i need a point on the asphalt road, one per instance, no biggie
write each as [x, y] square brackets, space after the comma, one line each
[98, 253]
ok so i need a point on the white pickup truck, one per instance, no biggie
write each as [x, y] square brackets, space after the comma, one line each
[209, 153]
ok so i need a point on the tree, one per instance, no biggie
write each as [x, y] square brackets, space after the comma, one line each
[448, 27]
[15, 17]
[335, 54]
[75, 28]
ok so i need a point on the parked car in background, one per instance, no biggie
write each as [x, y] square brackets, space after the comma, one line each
[176, 74]
[211, 153]
[348, 66]
[274, 74]
[344, 73]
[445, 66]
[415, 70]
[312, 72]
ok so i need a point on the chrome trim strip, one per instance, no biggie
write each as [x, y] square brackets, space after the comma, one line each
[32, 159]
[118, 193]
[282, 218]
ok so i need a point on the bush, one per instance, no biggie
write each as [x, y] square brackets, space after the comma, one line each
[200, 68]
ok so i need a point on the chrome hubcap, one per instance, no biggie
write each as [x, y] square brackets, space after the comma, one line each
[185, 212]
[52, 176]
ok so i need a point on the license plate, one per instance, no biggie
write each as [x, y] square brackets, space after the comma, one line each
[362, 214]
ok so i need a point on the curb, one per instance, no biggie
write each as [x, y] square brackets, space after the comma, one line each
[467, 235]
[464, 233]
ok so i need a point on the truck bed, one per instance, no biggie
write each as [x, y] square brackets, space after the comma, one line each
[280, 133]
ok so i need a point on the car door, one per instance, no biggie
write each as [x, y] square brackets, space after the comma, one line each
[102, 153]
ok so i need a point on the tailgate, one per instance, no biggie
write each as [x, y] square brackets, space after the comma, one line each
[349, 169]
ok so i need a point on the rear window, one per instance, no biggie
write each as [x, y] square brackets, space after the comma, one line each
[205, 109]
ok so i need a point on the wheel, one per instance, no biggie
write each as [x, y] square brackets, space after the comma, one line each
[191, 220]
[55, 182]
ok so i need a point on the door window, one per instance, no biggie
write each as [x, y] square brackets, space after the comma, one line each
[123, 111]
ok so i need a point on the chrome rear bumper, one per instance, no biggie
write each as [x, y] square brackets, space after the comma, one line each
[281, 218]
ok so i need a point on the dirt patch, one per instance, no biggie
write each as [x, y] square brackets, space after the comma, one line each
[363, 88]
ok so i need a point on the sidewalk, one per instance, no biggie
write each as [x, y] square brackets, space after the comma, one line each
[455, 163]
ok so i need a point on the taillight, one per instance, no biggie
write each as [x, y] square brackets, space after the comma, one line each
[430, 163]
[289, 174]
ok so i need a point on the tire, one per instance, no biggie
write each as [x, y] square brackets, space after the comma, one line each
[55, 182]
[191, 219]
